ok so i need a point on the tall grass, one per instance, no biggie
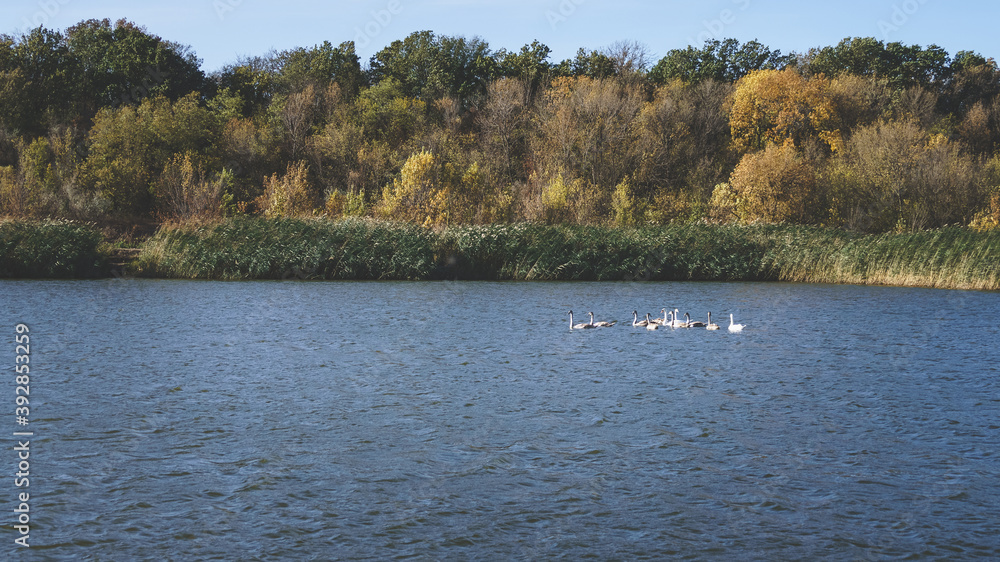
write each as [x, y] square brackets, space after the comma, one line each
[50, 249]
[538, 252]
[255, 248]
[282, 248]
[954, 258]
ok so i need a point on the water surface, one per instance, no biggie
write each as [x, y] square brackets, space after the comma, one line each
[445, 420]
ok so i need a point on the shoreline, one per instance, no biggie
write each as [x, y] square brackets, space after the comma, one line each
[249, 248]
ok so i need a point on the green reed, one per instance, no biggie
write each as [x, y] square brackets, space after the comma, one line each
[50, 249]
[540, 252]
[257, 248]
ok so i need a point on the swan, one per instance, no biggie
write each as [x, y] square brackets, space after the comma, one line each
[636, 321]
[675, 323]
[661, 321]
[601, 324]
[650, 325]
[710, 325]
[734, 327]
[580, 326]
[694, 324]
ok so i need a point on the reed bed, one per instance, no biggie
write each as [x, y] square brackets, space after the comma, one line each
[593, 253]
[952, 258]
[257, 248]
[50, 249]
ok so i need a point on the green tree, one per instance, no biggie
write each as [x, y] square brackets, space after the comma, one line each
[320, 66]
[124, 64]
[387, 115]
[902, 65]
[429, 67]
[130, 146]
[592, 65]
[39, 81]
[253, 81]
[722, 61]
[530, 64]
[974, 80]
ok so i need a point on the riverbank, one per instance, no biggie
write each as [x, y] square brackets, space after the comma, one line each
[257, 248]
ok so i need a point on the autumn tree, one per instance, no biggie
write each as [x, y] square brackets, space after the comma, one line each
[980, 128]
[433, 192]
[774, 185]
[586, 130]
[289, 194]
[503, 123]
[896, 176]
[683, 136]
[185, 192]
[862, 100]
[774, 106]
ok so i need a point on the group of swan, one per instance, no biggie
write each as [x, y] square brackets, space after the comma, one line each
[670, 319]
[591, 324]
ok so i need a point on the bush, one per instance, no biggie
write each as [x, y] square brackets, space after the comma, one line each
[50, 250]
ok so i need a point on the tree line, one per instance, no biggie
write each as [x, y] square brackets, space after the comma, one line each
[108, 121]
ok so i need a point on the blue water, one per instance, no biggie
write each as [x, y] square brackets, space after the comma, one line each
[445, 420]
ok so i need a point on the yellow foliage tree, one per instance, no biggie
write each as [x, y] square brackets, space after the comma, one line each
[414, 196]
[627, 211]
[287, 195]
[345, 203]
[12, 196]
[568, 201]
[430, 194]
[773, 106]
[723, 204]
[773, 185]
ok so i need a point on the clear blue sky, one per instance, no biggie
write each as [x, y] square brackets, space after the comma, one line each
[219, 31]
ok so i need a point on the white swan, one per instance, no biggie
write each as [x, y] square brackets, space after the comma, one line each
[675, 323]
[711, 325]
[580, 326]
[694, 324]
[601, 324]
[650, 325]
[734, 327]
[636, 321]
[661, 321]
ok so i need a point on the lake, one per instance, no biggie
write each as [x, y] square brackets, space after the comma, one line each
[465, 420]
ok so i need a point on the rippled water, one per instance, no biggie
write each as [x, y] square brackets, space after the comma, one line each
[293, 420]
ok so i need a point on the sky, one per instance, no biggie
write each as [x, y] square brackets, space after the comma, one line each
[222, 31]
